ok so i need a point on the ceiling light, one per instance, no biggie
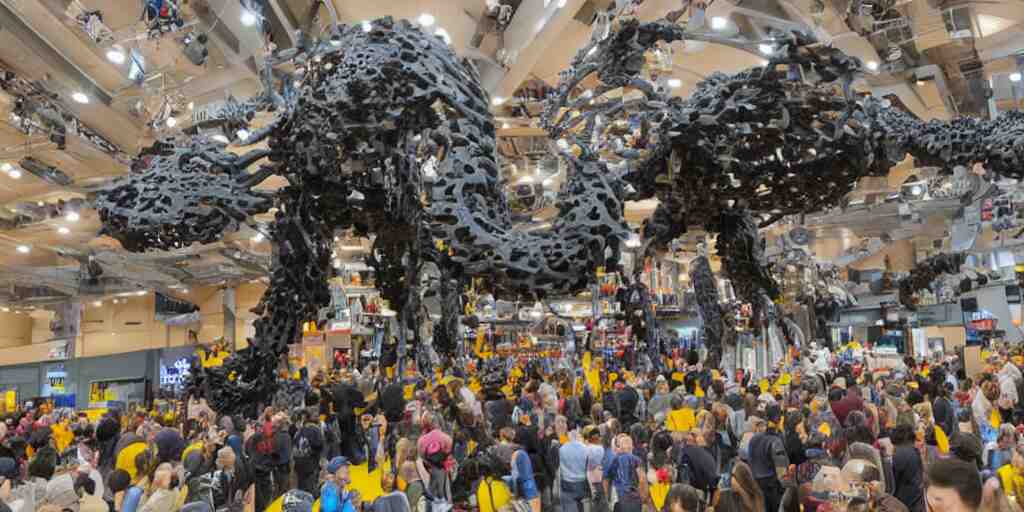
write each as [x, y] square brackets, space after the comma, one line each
[497, 100]
[872, 65]
[140, 293]
[505, 126]
[97, 303]
[764, 62]
[675, 83]
[258, 237]
[920, 83]
[633, 241]
[367, 26]
[242, 135]
[425, 20]
[248, 18]
[40, 203]
[6, 167]
[14, 173]
[63, 230]
[24, 249]
[1015, 77]
[171, 122]
[6, 309]
[184, 290]
[191, 105]
[220, 138]
[561, 3]
[719, 22]
[72, 216]
[591, 51]
[116, 55]
[80, 97]
[350, 247]
[443, 34]
[766, 49]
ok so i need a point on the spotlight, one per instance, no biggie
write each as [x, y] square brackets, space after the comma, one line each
[367, 26]
[80, 97]
[24, 249]
[675, 83]
[872, 65]
[242, 135]
[425, 20]
[497, 101]
[14, 173]
[766, 49]
[171, 122]
[72, 217]
[63, 230]
[719, 22]
[443, 34]
[248, 18]
[1015, 77]
[116, 54]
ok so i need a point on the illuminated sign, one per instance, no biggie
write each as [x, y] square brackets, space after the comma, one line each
[174, 375]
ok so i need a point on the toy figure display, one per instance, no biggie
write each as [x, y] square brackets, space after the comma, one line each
[377, 107]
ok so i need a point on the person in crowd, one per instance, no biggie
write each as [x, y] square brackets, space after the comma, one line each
[307, 450]
[768, 460]
[625, 474]
[908, 468]
[572, 471]
[953, 486]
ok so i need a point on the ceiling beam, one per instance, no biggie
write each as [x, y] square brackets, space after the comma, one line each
[48, 53]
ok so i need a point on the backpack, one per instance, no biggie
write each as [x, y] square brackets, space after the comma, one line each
[301, 447]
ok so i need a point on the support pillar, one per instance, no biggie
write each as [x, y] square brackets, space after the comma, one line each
[229, 307]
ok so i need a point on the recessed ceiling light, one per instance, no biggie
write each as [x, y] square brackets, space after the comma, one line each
[367, 26]
[766, 49]
[63, 230]
[72, 216]
[115, 54]
[40, 203]
[497, 100]
[426, 20]
[220, 138]
[6, 167]
[191, 105]
[443, 34]
[505, 126]
[140, 293]
[24, 249]
[872, 65]
[719, 22]
[675, 83]
[80, 97]
[1015, 77]
[14, 173]
[171, 122]
[97, 303]
[920, 83]
[248, 18]
[242, 135]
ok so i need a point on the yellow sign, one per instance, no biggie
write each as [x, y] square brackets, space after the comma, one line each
[11, 400]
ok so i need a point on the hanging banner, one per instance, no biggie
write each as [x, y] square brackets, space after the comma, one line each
[174, 311]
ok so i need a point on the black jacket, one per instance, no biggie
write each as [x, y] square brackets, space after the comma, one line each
[313, 439]
[700, 466]
[767, 452]
[908, 474]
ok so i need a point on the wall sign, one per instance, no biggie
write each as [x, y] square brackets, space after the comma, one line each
[174, 374]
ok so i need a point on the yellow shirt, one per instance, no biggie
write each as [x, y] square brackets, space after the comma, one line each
[126, 458]
[1013, 481]
[659, 491]
[492, 494]
[941, 440]
[681, 420]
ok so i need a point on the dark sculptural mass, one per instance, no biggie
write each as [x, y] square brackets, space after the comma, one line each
[378, 109]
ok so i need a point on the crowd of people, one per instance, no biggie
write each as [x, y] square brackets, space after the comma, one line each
[818, 435]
